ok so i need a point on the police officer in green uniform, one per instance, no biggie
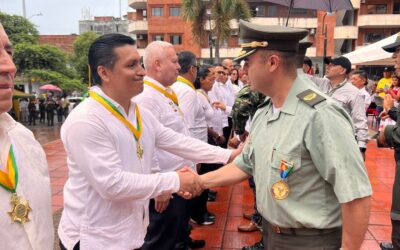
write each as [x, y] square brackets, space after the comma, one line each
[391, 137]
[313, 191]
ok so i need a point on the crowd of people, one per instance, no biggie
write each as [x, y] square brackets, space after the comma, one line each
[147, 146]
[43, 109]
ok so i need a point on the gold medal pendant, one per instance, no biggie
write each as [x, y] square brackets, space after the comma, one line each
[280, 190]
[20, 209]
[139, 150]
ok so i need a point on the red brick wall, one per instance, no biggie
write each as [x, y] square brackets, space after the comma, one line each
[103, 18]
[330, 22]
[171, 25]
[64, 42]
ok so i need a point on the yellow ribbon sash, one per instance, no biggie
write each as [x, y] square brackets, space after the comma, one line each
[137, 132]
[186, 81]
[9, 179]
[205, 95]
[172, 96]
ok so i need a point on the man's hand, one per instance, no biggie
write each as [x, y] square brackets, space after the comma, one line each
[236, 152]
[220, 140]
[162, 202]
[190, 183]
[243, 136]
[388, 102]
[234, 142]
[219, 105]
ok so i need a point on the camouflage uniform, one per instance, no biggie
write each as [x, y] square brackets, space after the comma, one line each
[245, 107]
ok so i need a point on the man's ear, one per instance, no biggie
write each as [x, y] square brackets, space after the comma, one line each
[104, 73]
[274, 62]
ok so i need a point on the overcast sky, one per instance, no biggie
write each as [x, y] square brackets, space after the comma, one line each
[62, 17]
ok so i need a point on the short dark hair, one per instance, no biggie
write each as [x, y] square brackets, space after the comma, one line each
[101, 53]
[362, 74]
[186, 60]
[202, 74]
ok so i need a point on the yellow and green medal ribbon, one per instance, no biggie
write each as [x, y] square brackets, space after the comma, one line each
[9, 179]
[172, 96]
[137, 132]
[186, 81]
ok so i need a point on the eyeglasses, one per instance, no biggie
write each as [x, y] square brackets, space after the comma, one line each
[221, 73]
[196, 66]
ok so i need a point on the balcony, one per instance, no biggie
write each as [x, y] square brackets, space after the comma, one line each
[294, 22]
[379, 21]
[137, 4]
[138, 27]
[345, 32]
[223, 52]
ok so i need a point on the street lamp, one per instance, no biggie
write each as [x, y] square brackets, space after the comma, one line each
[37, 14]
[324, 30]
[210, 41]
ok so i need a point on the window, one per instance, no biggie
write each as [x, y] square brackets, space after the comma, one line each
[377, 8]
[272, 11]
[176, 39]
[260, 11]
[296, 11]
[174, 11]
[157, 11]
[158, 38]
[372, 37]
[144, 13]
[396, 7]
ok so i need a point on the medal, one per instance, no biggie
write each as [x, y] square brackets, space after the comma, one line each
[9, 181]
[139, 150]
[280, 190]
[137, 132]
[20, 209]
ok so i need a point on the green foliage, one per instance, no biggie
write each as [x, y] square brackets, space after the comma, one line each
[48, 76]
[222, 12]
[19, 29]
[81, 51]
[37, 56]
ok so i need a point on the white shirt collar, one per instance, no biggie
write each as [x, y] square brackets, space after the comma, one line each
[148, 78]
[99, 91]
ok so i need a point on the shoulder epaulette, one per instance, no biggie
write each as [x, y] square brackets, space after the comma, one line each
[310, 97]
[265, 103]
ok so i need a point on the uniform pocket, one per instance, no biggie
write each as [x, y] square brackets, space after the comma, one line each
[292, 159]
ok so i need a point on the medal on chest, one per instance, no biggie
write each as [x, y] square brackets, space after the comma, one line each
[9, 181]
[139, 150]
[280, 190]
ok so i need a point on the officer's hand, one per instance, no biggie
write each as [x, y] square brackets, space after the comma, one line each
[234, 142]
[190, 183]
[219, 105]
[243, 136]
[220, 140]
[236, 152]
[162, 202]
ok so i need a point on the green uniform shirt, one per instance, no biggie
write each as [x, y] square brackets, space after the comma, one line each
[328, 167]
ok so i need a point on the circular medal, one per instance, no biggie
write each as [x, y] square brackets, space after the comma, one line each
[280, 190]
[20, 209]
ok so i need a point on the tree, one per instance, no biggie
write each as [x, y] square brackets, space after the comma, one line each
[48, 76]
[222, 12]
[81, 51]
[19, 29]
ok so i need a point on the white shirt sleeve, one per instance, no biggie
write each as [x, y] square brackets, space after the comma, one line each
[189, 148]
[102, 167]
[188, 103]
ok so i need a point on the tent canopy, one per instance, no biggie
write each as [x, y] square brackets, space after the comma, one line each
[373, 54]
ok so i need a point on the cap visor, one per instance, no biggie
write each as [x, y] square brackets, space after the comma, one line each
[391, 47]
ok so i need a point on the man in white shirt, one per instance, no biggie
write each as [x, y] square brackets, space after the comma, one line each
[110, 144]
[359, 80]
[168, 216]
[223, 97]
[26, 220]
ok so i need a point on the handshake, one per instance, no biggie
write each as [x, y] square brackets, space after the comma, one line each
[191, 184]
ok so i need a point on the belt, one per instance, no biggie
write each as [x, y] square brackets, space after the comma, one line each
[300, 231]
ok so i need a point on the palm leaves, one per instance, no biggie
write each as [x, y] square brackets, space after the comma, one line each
[222, 12]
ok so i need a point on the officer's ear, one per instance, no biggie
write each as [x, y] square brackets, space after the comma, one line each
[104, 73]
[274, 62]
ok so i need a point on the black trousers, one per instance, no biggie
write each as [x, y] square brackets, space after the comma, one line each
[168, 228]
[396, 234]
[76, 247]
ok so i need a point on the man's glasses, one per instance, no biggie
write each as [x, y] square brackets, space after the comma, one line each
[221, 73]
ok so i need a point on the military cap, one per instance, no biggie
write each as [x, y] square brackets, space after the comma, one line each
[280, 38]
[393, 46]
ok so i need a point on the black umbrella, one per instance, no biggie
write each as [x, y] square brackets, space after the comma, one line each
[323, 5]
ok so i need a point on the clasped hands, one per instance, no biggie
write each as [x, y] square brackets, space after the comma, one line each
[191, 184]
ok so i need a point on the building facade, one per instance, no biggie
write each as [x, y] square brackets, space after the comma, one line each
[370, 21]
[105, 25]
